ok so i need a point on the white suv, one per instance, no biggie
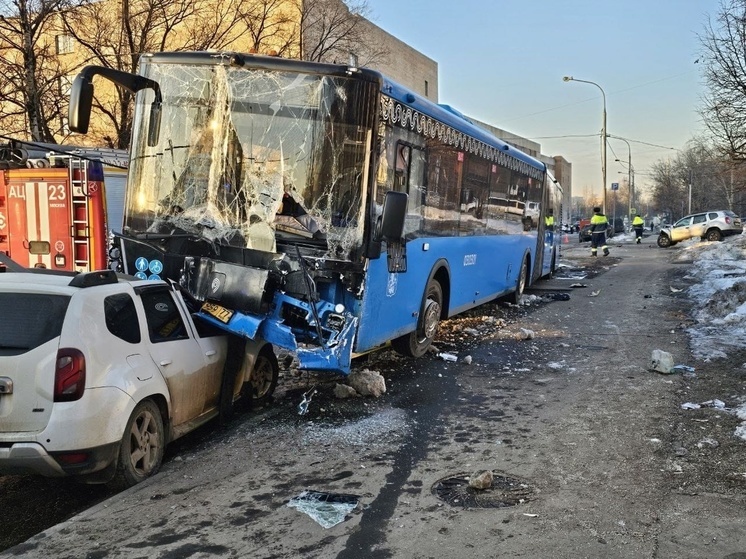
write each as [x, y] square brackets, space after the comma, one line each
[709, 226]
[98, 373]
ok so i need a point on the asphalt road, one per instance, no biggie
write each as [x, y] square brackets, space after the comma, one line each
[591, 452]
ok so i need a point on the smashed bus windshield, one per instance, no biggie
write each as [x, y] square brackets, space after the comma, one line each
[249, 157]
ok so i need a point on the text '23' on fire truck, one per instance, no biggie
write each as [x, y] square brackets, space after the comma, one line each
[59, 203]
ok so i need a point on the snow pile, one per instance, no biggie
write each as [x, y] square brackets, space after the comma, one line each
[719, 295]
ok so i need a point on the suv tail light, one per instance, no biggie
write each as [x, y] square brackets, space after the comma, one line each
[727, 220]
[69, 376]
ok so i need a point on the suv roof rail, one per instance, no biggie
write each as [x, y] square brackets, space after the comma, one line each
[90, 279]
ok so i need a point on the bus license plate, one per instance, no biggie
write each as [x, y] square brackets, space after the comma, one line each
[221, 313]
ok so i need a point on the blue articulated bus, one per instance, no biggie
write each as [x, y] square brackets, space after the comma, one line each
[323, 208]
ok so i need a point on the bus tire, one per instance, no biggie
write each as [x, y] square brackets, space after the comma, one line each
[520, 284]
[416, 344]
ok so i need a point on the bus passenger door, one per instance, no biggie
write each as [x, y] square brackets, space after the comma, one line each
[410, 178]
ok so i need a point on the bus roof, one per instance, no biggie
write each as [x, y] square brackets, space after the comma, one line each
[443, 113]
[450, 116]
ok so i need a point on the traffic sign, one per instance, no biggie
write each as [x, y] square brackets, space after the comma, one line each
[615, 186]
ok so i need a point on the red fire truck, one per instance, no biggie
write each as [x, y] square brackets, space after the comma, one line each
[53, 204]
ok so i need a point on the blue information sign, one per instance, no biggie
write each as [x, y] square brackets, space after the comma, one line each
[141, 264]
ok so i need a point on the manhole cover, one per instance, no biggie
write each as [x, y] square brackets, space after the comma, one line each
[504, 492]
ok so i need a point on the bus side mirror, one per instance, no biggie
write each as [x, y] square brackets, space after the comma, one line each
[390, 224]
[81, 100]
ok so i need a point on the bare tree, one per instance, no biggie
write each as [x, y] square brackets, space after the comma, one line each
[271, 26]
[668, 193]
[699, 172]
[333, 30]
[30, 86]
[724, 62]
[115, 34]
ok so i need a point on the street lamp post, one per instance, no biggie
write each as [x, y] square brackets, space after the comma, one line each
[603, 135]
[630, 173]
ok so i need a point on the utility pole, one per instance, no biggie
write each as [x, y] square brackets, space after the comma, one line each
[603, 136]
[690, 191]
[630, 174]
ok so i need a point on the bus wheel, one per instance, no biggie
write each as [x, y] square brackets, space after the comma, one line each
[520, 284]
[415, 343]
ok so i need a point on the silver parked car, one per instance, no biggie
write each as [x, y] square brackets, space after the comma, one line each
[709, 226]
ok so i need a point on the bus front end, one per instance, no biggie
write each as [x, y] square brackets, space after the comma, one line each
[248, 185]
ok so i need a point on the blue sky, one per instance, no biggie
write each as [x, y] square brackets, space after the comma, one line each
[502, 61]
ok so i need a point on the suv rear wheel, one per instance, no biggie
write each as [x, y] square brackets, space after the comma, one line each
[141, 449]
[714, 235]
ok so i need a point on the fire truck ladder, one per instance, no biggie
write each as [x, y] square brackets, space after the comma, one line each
[80, 231]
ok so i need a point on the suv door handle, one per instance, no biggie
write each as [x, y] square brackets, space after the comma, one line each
[210, 352]
[165, 362]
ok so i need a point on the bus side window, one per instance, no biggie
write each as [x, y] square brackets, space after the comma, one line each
[401, 172]
[416, 189]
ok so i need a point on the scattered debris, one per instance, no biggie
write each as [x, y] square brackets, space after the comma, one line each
[675, 290]
[662, 362]
[467, 359]
[527, 334]
[682, 369]
[559, 297]
[344, 391]
[578, 285]
[367, 383]
[740, 431]
[594, 293]
[716, 404]
[327, 509]
[448, 357]
[708, 442]
[481, 481]
[531, 515]
[303, 406]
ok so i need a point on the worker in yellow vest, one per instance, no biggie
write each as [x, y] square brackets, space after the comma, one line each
[599, 225]
[638, 224]
[549, 226]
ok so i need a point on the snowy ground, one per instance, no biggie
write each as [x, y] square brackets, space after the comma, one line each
[718, 294]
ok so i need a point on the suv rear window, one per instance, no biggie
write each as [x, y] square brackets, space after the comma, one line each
[30, 320]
